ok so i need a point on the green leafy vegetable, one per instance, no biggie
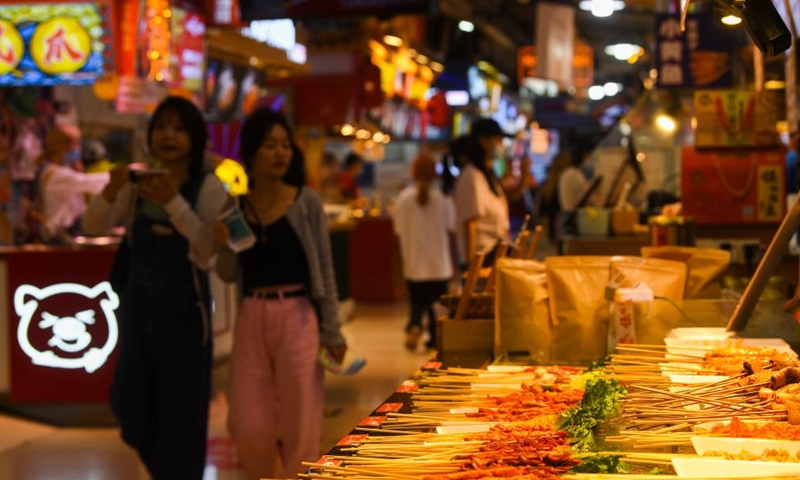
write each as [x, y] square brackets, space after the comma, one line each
[601, 400]
[593, 463]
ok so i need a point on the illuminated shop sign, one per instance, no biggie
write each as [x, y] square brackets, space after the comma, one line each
[77, 340]
[280, 34]
[48, 44]
[157, 40]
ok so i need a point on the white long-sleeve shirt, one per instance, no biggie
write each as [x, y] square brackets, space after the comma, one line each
[195, 225]
[64, 190]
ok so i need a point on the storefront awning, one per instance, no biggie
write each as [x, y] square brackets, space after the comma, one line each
[232, 46]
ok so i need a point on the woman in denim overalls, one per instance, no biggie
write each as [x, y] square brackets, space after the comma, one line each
[161, 385]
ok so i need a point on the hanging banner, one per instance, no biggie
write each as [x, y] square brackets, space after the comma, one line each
[188, 52]
[50, 44]
[555, 42]
[700, 57]
[127, 46]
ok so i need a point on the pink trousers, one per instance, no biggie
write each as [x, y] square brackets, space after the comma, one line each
[276, 386]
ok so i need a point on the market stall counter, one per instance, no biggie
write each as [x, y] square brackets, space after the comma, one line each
[59, 323]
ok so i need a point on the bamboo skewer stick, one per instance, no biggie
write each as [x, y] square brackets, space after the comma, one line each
[534, 242]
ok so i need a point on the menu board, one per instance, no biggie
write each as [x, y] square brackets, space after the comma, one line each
[49, 44]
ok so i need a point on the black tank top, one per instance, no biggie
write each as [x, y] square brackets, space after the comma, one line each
[277, 258]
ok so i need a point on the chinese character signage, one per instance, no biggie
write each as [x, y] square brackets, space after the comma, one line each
[734, 187]
[699, 57]
[188, 53]
[49, 44]
[736, 118]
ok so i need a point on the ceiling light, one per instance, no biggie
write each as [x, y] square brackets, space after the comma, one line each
[731, 19]
[596, 92]
[422, 59]
[666, 123]
[347, 130]
[641, 157]
[393, 41]
[466, 26]
[387, 138]
[437, 67]
[378, 137]
[602, 8]
[412, 53]
[625, 51]
[611, 89]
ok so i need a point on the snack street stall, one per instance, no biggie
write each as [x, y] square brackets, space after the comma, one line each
[59, 325]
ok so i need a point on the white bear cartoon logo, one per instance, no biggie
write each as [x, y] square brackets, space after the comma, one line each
[69, 333]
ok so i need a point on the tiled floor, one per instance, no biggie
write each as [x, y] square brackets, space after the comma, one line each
[38, 452]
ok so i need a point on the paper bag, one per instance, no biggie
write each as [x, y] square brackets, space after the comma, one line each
[523, 322]
[706, 265]
[578, 308]
[666, 278]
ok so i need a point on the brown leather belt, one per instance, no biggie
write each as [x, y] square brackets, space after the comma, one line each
[277, 294]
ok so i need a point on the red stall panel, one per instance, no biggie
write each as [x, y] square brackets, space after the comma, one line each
[63, 326]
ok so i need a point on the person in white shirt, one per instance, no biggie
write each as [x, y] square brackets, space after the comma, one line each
[63, 189]
[481, 206]
[572, 186]
[425, 224]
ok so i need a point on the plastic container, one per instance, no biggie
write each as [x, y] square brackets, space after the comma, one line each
[594, 221]
[240, 236]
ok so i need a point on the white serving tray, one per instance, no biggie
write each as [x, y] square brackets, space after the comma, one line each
[720, 468]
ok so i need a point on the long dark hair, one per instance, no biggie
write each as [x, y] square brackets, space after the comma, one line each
[192, 121]
[255, 130]
[477, 157]
[459, 149]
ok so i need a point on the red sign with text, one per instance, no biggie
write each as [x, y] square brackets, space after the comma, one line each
[188, 52]
[63, 326]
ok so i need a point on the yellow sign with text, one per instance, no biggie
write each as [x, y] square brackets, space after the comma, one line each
[770, 193]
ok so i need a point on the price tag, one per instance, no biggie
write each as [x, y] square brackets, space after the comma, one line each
[431, 365]
[371, 422]
[407, 387]
[351, 439]
[325, 460]
[389, 407]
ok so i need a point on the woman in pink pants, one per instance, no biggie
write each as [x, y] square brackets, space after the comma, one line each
[289, 307]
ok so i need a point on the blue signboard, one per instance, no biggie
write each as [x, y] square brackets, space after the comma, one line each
[49, 44]
[700, 57]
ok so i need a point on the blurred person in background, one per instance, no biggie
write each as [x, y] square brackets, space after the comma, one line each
[62, 188]
[453, 162]
[482, 216]
[517, 182]
[329, 182]
[549, 205]
[349, 190]
[425, 224]
[573, 184]
[792, 178]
